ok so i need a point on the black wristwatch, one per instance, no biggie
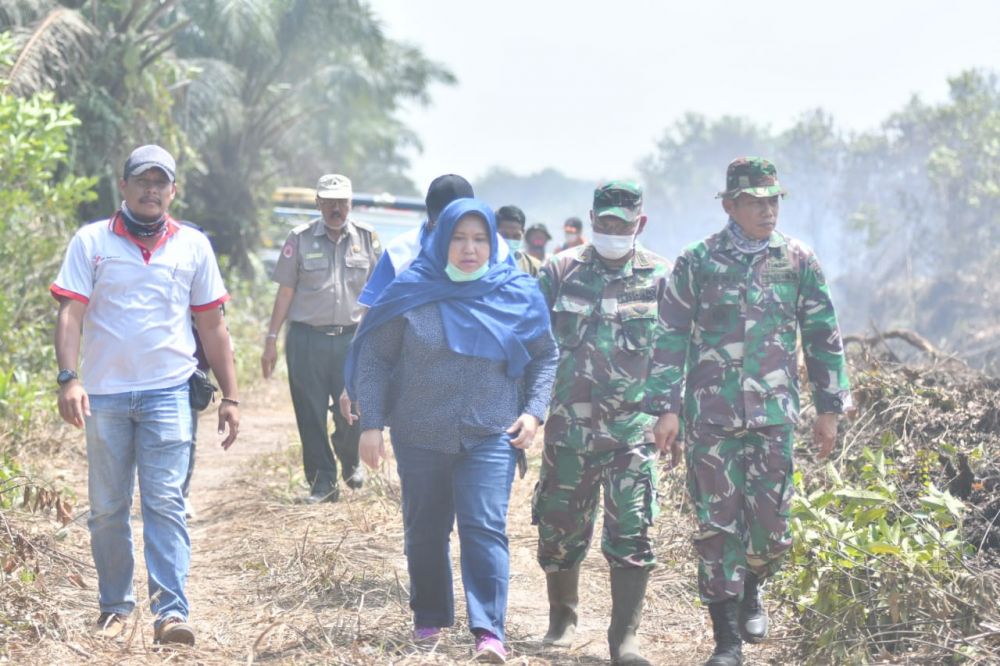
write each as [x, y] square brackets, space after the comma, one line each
[66, 376]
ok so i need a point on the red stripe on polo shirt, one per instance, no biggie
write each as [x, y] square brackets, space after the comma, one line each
[208, 306]
[59, 293]
[118, 226]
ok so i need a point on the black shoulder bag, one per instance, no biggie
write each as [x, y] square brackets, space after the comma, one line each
[202, 390]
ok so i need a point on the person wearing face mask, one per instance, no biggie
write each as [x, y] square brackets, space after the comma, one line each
[573, 231]
[321, 271]
[536, 237]
[465, 338]
[605, 428]
[736, 304]
[510, 225]
[404, 248]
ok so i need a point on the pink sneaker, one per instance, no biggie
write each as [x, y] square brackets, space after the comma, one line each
[489, 648]
[426, 634]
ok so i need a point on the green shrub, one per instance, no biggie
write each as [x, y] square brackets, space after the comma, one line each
[37, 207]
[875, 573]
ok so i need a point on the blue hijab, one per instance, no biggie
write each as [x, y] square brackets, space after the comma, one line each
[492, 317]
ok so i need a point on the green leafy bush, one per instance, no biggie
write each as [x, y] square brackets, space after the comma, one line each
[877, 572]
[37, 206]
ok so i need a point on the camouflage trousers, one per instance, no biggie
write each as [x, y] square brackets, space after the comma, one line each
[740, 483]
[564, 505]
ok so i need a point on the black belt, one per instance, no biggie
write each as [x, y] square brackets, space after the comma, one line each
[332, 329]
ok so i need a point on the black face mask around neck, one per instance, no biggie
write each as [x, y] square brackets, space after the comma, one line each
[139, 228]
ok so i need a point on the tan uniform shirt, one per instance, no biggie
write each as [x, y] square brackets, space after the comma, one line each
[527, 263]
[327, 276]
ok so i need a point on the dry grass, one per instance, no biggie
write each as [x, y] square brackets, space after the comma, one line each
[276, 581]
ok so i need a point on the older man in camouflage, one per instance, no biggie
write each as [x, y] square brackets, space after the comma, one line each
[736, 304]
[605, 424]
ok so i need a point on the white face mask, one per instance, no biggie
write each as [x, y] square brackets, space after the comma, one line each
[612, 247]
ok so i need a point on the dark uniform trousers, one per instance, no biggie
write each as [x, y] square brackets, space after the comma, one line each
[315, 357]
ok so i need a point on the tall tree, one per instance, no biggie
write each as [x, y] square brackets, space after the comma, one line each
[687, 168]
[291, 89]
[927, 193]
[245, 92]
[113, 60]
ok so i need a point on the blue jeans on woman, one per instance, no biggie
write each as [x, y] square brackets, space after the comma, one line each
[148, 432]
[472, 486]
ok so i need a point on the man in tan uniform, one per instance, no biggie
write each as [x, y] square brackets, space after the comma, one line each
[322, 269]
[510, 225]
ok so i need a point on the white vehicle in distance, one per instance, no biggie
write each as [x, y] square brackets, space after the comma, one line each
[390, 215]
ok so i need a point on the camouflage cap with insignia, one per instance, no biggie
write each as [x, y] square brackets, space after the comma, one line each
[753, 175]
[620, 198]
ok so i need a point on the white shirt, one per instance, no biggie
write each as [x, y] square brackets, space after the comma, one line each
[137, 327]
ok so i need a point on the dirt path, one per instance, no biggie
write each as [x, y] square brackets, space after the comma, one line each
[276, 581]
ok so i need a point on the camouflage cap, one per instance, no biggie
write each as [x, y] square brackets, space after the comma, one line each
[753, 175]
[620, 198]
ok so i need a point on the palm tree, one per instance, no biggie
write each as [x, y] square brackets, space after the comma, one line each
[244, 92]
[113, 60]
[291, 89]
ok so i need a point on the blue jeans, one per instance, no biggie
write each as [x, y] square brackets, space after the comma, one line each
[186, 486]
[474, 487]
[148, 431]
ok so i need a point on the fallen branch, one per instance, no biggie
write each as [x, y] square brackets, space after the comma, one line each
[911, 337]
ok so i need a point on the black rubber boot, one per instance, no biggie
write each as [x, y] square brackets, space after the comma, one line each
[628, 589]
[725, 627]
[753, 618]
[563, 597]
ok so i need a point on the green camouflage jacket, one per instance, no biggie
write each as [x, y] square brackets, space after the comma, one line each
[612, 380]
[733, 320]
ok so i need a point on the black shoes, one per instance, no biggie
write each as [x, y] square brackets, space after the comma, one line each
[752, 616]
[725, 627]
[328, 495]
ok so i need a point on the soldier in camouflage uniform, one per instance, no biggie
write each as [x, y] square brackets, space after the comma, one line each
[736, 304]
[604, 428]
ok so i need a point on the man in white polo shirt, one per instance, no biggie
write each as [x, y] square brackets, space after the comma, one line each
[129, 284]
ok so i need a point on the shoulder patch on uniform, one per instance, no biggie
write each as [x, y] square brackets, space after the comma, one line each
[583, 253]
[288, 250]
[647, 259]
[796, 245]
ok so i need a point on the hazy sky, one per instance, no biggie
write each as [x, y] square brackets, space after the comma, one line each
[587, 87]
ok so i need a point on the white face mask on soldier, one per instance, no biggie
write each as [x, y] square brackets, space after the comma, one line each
[612, 247]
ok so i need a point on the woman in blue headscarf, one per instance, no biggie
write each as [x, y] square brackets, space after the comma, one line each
[457, 358]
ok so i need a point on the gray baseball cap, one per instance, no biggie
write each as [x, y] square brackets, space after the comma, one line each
[149, 157]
